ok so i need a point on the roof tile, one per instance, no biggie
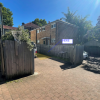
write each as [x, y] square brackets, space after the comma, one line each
[9, 27]
[31, 25]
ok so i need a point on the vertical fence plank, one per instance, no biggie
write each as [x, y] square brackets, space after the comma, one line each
[24, 58]
[13, 60]
[2, 59]
[16, 48]
[20, 57]
[16, 62]
[32, 60]
[7, 59]
[27, 60]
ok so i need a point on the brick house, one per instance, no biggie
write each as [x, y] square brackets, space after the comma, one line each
[29, 26]
[8, 28]
[54, 32]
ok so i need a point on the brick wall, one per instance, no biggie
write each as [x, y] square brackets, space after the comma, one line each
[66, 31]
[33, 35]
[62, 31]
[43, 34]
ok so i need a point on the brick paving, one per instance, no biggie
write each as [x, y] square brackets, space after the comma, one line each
[53, 83]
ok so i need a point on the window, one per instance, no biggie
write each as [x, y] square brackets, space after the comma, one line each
[38, 41]
[53, 25]
[43, 42]
[53, 40]
[37, 31]
[43, 29]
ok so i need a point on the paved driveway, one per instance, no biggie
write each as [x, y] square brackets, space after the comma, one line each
[54, 81]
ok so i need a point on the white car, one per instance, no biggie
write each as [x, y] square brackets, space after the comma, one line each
[85, 55]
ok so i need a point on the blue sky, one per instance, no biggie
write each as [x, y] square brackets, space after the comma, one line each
[27, 10]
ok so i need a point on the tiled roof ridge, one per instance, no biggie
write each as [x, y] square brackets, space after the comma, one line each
[9, 27]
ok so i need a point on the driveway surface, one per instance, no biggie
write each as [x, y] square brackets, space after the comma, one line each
[54, 81]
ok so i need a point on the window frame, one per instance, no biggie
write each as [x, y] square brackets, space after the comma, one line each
[54, 25]
[53, 40]
[37, 30]
[43, 28]
[43, 41]
[38, 41]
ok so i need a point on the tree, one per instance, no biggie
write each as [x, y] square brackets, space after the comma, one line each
[7, 16]
[82, 23]
[94, 33]
[39, 22]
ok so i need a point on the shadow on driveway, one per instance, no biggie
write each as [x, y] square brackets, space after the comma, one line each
[91, 69]
[3, 80]
[67, 65]
[93, 64]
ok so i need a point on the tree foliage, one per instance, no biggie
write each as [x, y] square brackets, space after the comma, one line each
[7, 16]
[93, 34]
[24, 37]
[39, 22]
[79, 21]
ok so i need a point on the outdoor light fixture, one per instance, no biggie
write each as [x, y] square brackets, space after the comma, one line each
[67, 41]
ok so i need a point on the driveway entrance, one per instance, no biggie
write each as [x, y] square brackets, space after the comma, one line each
[53, 82]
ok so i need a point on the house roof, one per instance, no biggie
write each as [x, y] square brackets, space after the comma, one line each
[58, 21]
[9, 27]
[30, 25]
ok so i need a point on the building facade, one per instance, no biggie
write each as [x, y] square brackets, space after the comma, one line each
[29, 26]
[54, 32]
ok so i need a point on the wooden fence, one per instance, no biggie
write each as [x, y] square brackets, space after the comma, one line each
[17, 60]
[74, 53]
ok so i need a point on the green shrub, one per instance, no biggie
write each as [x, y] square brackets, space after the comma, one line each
[24, 37]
